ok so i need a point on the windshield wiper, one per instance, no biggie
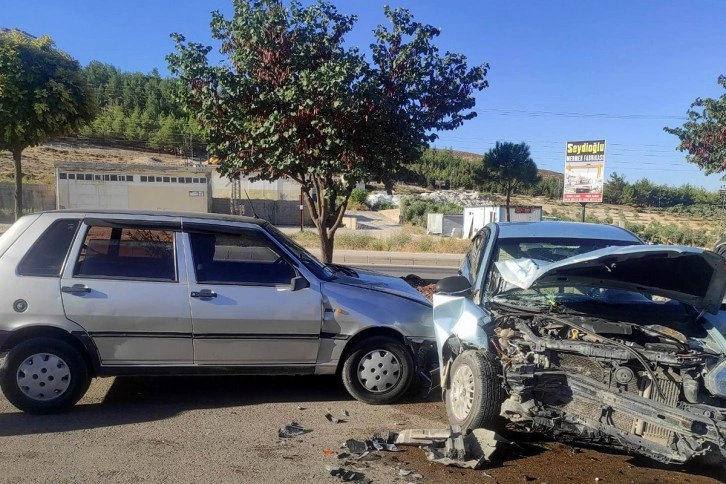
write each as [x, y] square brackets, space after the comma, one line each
[348, 271]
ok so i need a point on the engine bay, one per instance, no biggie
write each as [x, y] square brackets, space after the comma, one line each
[650, 387]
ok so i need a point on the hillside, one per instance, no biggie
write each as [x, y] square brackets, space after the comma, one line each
[473, 157]
[39, 162]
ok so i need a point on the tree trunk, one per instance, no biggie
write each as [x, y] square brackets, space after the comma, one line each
[327, 242]
[509, 194]
[17, 154]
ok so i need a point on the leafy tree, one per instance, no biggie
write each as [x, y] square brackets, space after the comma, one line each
[508, 166]
[703, 136]
[141, 110]
[293, 100]
[43, 94]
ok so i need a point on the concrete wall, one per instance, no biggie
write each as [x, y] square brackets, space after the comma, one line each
[281, 189]
[35, 197]
[277, 212]
[172, 198]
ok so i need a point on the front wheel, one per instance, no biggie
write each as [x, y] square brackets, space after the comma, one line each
[474, 395]
[44, 375]
[378, 370]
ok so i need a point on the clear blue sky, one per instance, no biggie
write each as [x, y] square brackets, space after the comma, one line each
[560, 70]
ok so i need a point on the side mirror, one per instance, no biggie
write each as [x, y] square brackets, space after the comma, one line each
[298, 283]
[454, 286]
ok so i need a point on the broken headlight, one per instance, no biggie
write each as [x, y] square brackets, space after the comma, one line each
[715, 379]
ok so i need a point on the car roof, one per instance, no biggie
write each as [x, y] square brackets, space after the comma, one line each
[570, 230]
[212, 217]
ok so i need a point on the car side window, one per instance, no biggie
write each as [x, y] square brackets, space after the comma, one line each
[127, 253]
[246, 257]
[45, 258]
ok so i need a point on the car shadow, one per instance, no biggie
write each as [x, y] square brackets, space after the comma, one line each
[132, 400]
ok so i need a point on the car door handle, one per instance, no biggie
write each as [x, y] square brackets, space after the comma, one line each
[204, 294]
[76, 289]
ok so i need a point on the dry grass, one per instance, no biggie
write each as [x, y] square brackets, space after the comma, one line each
[407, 240]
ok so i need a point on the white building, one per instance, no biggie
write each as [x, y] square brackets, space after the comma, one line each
[81, 185]
[477, 217]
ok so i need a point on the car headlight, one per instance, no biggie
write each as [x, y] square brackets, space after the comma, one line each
[715, 379]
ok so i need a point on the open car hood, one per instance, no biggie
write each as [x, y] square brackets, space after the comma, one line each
[690, 275]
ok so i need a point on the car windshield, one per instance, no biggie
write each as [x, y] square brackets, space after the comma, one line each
[552, 250]
[308, 260]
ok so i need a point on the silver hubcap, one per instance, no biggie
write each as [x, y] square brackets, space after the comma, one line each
[379, 371]
[43, 376]
[462, 392]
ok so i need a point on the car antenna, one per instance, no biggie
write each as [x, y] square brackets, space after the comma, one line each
[251, 206]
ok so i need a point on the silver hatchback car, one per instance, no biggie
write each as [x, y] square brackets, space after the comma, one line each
[100, 293]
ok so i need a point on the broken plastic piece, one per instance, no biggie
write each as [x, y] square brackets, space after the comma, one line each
[293, 429]
[328, 452]
[451, 448]
[404, 472]
[345, 475]
[356, 446]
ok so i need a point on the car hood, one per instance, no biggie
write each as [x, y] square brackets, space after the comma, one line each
[690, 275]
[381, 282]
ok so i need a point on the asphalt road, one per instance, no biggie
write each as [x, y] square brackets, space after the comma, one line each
[224, 429]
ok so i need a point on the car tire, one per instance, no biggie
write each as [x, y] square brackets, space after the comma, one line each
[474, 394]
[378, 371]
[44, 375]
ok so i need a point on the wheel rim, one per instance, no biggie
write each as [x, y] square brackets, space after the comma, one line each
[379, 371]
[462, 392]
[43, 377]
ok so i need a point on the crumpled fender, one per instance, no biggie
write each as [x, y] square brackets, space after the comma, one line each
[461, 318]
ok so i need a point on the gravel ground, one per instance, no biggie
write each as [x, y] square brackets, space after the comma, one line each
[224, 429]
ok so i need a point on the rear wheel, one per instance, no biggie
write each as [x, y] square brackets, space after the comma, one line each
[475, 393]
[378, 370]
[44, 375]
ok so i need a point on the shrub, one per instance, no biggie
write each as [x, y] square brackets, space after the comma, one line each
[358, 196]
[415, 210]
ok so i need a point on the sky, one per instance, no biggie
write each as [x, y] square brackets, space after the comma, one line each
[560, 70]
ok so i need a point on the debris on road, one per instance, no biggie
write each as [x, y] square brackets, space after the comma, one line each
[332, 419]
[345, 475]
[293, 429]
[450, 447]
[356, 446]
[345, 413]
[383, 441]
[408, 473]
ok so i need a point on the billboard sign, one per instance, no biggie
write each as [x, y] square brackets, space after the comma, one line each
[584, 171]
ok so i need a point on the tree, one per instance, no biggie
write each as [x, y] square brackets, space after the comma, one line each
[291, 100]
[43, 94]
[703, 136]
[508, 166]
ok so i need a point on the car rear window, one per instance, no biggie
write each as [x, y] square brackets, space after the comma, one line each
[45, 258]
[127, 253]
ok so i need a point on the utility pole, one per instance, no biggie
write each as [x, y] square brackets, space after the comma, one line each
[302, 207]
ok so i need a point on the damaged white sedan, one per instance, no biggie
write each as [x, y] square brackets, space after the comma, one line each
[581, 332]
